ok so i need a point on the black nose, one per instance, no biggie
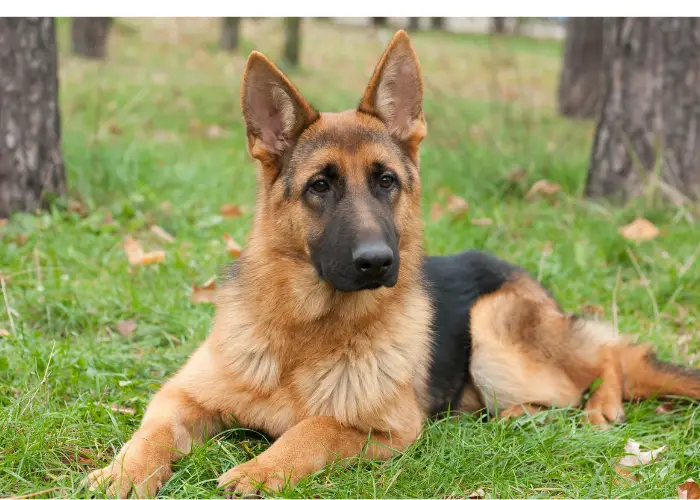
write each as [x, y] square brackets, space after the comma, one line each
[373, 260]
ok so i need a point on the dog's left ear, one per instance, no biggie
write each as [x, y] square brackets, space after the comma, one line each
[395, 93]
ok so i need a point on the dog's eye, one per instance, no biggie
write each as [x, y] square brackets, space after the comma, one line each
[386, 181]
[320, 186]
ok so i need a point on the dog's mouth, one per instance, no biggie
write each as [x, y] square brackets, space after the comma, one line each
[372, 286]
[353, 285]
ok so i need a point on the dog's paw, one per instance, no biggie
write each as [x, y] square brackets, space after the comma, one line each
[252, 479]
[517, 411]
[129, 471]
[603, 412]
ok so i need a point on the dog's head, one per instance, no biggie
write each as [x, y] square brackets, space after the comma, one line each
[340, 190]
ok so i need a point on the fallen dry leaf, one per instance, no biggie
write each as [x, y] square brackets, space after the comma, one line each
[3, 222]
[626, 473]
[478, 494]
[122, 409]
[636, 457]
[229, 210]
[136, 255]
[436, 211]
[114, 129]
[214, 131]
[166, 206]
[162, 234]
[457, 205]
[4, 333]
[84, 457]
[109, 220]
[77, 208]
[164, 136]
[482, 222]
[126, 327]
[639, 230]
[542, 188]
[205, 293]
[195, 126]
[154, 257]
[21, 239]
[516, 174]
[184, 103]
[443, 192]
[665, 408]
[689, 489]
[232, 247]
[685, 339]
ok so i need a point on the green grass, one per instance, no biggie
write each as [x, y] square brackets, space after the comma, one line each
[130, 146]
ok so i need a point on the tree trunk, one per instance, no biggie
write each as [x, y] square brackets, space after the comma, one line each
[498, 25]
[31, 164]
[650, 121]
[292, 40]
[437, 23]
[582, 78]
[413, 23]
[89, 36]
[229, 33]
[379, 21]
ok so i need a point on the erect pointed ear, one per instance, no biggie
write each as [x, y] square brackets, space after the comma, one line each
[395, 92]
[274, 111]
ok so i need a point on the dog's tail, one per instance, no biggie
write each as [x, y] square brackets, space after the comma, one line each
[645, 376]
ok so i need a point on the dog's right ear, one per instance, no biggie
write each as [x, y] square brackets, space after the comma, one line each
[274, 111]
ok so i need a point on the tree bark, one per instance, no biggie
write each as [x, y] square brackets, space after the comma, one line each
[31, 163]
[89, 36]
[292, 40]
[437, 23]
[414, 23]
[379, 21]
[230, 33]
[582, 77]
[650, 122]
[498, 25]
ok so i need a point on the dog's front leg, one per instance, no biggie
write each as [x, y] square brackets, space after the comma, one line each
[308, 447]
[172, 422]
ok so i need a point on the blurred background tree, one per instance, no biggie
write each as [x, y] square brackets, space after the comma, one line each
[292, 41]
[31, 163]
[582, 80]
[648, 134]
[89, 36]
[230, 33]
[498, 25]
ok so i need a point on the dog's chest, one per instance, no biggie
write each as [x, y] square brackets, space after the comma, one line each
[355, 382]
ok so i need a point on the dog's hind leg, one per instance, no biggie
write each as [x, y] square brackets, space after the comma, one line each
[605, 405]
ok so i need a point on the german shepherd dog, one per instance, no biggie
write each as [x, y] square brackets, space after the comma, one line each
[334, 334]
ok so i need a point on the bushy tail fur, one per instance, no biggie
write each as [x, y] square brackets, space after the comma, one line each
[645, 376]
